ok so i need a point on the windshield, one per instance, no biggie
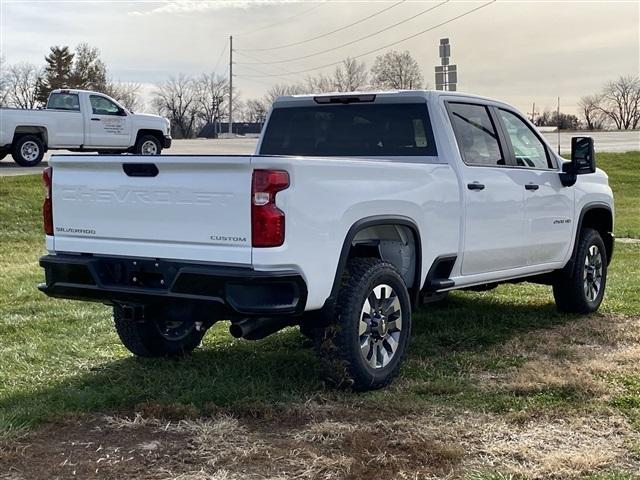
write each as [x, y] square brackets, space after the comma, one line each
[350, 130]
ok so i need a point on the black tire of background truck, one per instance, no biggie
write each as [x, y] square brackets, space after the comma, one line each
[143, 338]
[2, 155]
[338, 344]
[17, 150]
[140, 149]
[569, 287]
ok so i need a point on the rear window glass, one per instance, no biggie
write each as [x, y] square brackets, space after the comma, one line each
[64, 101]
[350, 130]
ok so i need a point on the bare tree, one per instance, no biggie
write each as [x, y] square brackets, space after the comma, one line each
[280, 90]
[212, 92]
[4, 82]
[22, 85]
[396, 70]
[127, 93]
[318, 84]
[177, 100]
[255, 111]
[621, 102]
[589, 106]
[350, 76]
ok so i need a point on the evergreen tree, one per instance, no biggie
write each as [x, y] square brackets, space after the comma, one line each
[58, 69]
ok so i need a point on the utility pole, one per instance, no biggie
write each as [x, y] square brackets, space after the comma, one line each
[231, 84]
[558, 124]
[533, 113]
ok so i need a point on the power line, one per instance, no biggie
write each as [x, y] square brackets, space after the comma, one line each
[280, 22]
[261, 72]
[398, 41]
[220, 57]
[248, 65]
[352, 41]
[357, 22]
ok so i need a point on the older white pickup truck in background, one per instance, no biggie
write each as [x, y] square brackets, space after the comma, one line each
[354, 209]
[80, 120]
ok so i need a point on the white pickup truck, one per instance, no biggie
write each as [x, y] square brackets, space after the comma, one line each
[80, 120]
[355, 209]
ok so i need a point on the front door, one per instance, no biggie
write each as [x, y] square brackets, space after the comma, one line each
[548, 205]
[109, 125]
[494, 202]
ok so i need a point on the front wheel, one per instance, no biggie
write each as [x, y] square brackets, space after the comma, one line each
[367, 340]
[581, 290]
[161, 333]
[148, 145]
[28, 151]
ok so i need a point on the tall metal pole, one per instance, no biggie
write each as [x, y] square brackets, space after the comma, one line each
[558, 123]
[231, 84]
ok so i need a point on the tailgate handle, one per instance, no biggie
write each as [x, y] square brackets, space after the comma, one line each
[140, 169]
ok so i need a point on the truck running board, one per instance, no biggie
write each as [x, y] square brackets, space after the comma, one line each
[438, 276]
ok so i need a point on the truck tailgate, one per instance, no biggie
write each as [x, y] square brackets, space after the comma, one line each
[194, 208]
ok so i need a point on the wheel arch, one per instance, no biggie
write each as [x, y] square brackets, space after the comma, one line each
[36, 130]
[599, 216]
[149, 131]
[360, 241]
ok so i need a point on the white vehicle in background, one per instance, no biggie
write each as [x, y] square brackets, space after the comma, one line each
[83, 121]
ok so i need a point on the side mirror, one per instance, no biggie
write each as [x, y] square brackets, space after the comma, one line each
[583, 157]
[122, 112]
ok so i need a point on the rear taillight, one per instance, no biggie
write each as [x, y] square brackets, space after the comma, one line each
[267, 220]
[47, 207]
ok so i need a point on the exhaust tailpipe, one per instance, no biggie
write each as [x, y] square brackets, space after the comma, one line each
[258, 328]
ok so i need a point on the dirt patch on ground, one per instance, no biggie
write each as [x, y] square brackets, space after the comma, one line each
[332, 439]
[439, 444]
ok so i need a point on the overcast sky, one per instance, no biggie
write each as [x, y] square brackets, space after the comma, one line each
[518, 51]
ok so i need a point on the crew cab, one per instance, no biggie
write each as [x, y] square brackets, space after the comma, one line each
[80, 120]
[355, 209]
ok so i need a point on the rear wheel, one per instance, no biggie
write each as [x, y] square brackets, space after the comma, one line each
[582, 289]
[148, 145]
[161, 333]
[367, 340]
[28, 150]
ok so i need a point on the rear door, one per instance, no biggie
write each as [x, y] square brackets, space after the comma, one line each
[548, 205]
[494, 201]
[109, 125]
[171, 207]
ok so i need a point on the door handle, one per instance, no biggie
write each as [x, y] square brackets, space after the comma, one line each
[95, 119]
[140, 169]
[531, 186]
[475, 186]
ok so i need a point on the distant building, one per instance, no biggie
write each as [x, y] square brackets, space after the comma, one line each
[239, 128]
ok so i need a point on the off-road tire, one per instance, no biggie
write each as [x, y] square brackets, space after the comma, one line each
[16, 151]
[338, 344]
[143, 339]
[138, 149]
[569, 285]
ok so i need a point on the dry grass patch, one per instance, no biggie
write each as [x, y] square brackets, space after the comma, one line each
[575, 360]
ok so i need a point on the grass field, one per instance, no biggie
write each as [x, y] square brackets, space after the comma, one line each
[498, 385]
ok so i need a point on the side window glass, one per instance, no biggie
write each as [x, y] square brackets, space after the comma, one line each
[64, 101]
[476, 135]
[527, 147]
[103, 106]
